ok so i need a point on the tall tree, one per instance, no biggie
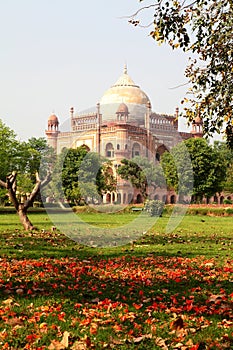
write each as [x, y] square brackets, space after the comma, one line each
[84, 175]
[178, 170]
[13, 162]
[204, 28]
[9, 151]
[38, 150]
[35, 157]
[142, 174]
[22, 208]
[207, 170]
[227, 155]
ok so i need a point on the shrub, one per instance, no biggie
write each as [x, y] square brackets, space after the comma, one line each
[154, 207]
[229, 211]
[198, 211]
[227, 201]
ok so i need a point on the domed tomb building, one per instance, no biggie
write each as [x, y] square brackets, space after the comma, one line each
[122, 126]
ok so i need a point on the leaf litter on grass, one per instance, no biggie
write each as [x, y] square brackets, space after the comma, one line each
[125, 302]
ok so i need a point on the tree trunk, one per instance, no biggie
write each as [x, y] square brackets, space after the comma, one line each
[22, 208]
[22, 212]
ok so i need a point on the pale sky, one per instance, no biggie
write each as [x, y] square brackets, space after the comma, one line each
[61, 53]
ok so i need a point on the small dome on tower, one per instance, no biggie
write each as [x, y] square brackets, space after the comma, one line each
[53, 118]
[198, 120]
[53, 122]
[123, 109]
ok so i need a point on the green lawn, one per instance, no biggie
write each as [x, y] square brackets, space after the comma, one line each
[162, 291]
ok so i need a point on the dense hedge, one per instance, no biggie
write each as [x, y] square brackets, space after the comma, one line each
[192, 210]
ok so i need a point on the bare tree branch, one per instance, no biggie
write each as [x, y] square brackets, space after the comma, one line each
[3, 184]
[11, 186]
[188, 6]
[178, 86]
[140, 10]
[39, 184]
[46, 180]
[22, 208]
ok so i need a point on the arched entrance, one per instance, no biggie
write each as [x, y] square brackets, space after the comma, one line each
[160, 150]
[173, 199]
[139, 199]
[108, 198]
[109, 150]
[86, 147]
[136, 150]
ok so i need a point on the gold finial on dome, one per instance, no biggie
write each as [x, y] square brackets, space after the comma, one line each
[125, 69]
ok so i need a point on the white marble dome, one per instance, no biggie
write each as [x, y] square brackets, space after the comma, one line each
[127, 92]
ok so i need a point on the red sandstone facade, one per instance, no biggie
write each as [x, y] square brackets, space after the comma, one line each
[123, 126]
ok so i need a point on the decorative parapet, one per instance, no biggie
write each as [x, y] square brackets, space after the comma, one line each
[85, 122]
[163, 122]
[185, 135]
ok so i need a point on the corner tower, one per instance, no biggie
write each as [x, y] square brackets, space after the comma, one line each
[197, 127]
[52, 131]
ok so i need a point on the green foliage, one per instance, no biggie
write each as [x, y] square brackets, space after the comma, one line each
[23, 157]
[34, 156]
[3, 196]
[68, 165]
[107, 181]
[229, 211]
[170, 171]
[24, 183]
[204, 28]
[207, 170]
[178, 170]
[40, 156]
[130, 170]
[142, 174]
[9, 151]
[154, 207]
[227, 155]
[227, 201]
[79, 174]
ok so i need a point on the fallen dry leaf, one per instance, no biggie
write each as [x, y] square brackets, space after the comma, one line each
[15, 321]
[162, 343]
[177, 324]
[56, 345]
[79, 345]
[8, 302]
[142, 337]
[65, 339]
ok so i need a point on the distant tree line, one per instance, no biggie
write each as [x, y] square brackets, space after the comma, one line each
[193, 167]
[76, 175]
